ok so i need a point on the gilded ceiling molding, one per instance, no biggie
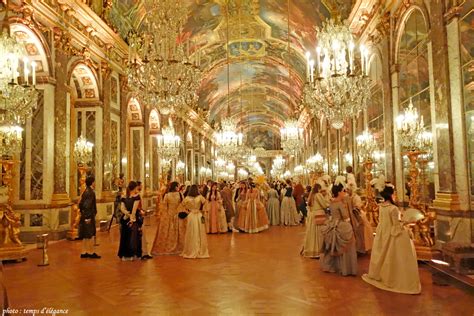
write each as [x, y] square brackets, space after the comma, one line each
[63, 42]
[85, 29]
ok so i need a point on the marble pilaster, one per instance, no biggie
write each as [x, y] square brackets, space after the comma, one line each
[439, 95]
[124, 98]
[60, 195]
[397, 154]
[389, 120]
[106, 138]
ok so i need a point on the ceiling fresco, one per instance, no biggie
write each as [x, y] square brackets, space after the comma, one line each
[262, 93]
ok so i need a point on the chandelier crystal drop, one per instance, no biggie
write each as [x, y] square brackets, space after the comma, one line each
[291, 137]
[18, 96]
[335, 87]
[168, 143]
[229, 141]
[164, 68]
[83, 150]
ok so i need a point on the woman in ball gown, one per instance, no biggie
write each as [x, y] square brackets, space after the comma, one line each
[318, 202]
[214, 212]
[289, 212]
[130, 247]
[393, 266]
[239, 199]
[195, 240]
[339, 250]
[362, 229]
[253, 217]
[273, 206]
[170, 232]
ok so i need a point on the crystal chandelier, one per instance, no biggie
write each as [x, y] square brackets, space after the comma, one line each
[299, 171]
[83, 151]
[229, 142]
[315, 163]
[11, 140]
[366, 145]
[180, 166]
[162, 71]
[334, 87]
[291, 137]
[411, 128]
[242, 174]
[18, 96]
[168, 143]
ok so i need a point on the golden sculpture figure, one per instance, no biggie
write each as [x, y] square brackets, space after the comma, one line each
[72, 234]
[11, 247]
[422, 228]
[370, 206]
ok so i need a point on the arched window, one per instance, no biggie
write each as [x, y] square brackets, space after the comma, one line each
[33, 167]
[87, 116]
[414, 84]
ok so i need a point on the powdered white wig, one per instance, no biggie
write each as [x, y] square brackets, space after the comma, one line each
[351, 182]
[340, 180]
[379, 183]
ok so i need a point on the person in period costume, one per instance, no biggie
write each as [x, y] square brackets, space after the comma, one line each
[195, 240]
[130, 246]
[362, 229]
[393, 264]
[253, 217]
[239, 200]
[273, 206]
[171, 229]
[88, 211]
[318, 202]
[298, 192]
[339, 252]
[146, 254]
[226, 194]
[289, 213]
[214, 212]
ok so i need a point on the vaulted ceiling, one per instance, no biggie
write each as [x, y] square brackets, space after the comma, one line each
[261, 93]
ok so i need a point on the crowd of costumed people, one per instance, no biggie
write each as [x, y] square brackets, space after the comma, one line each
[337, 230]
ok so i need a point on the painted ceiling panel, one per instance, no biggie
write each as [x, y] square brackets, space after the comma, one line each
[261, 93]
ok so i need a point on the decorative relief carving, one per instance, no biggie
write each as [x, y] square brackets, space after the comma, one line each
[105, 70]
[63, 42]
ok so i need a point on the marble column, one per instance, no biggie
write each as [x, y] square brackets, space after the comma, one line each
[453, 222]
[60, 195]
[439, 95]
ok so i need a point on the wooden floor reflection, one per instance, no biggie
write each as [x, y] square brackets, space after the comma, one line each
[246, 275]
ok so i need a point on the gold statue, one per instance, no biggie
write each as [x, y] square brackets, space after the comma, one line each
[10, 226]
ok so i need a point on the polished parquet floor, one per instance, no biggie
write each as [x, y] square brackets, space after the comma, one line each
[259, 274]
